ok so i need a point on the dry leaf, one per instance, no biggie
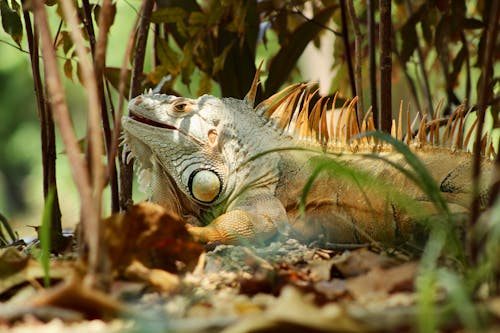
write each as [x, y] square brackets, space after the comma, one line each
[151, 235]
[358, 262]
[379, 282]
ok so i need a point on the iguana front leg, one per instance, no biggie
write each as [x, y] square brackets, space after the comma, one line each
[254, 218]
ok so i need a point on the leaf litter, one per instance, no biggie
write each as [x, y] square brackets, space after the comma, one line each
[164, 282]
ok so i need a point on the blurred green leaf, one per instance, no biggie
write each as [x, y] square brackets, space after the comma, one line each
[112, 74]
[168, 57]
[168, 15]
[408, 34]
[11, 21]
[205, 86]
[221, 59]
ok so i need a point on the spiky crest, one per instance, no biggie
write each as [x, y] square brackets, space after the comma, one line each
[250, 96]
[293, 111]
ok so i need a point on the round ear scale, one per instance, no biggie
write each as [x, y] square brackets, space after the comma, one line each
[212, 137]
[205, 185]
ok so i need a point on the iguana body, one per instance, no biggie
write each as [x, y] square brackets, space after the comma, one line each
[237, 173]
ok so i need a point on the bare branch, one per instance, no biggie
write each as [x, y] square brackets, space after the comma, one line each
[92, 227]
[385, 66]
[358, 37]
[126, 170]
[61, 112]
[484, 95]
[372, 62]
[347, 49]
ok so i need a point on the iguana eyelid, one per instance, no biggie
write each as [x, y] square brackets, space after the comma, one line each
[182, 106]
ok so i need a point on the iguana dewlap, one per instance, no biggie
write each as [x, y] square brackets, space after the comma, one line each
[237, 172]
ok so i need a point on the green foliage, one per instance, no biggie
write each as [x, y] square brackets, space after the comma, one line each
[11, 21]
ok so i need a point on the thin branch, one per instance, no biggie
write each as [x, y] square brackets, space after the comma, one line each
[358, 37]
[124, 181]
[484, 95]
[126, 170]
[61, 112]
[99, 55]
[421, 65]
[92, 228]
[347, 48]
[298, 12]
[372, 61]
[411, 83]
[467, 69]
[385, 66]
[47, 131]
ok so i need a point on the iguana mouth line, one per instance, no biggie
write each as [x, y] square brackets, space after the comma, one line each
[151, 122]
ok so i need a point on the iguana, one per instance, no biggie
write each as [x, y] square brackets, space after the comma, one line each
[237, 172]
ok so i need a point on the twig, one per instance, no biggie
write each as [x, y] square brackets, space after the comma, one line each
[47, 130]
[358, 56]
[126, 170]
[484, 95]
[347, 49]
[99, 55]
[421, 65]
[124, 180]
[385, 66]
[61, 113]
[298, 12]
[467, 69]
[372, 63]
[97, 258]
[409, 79]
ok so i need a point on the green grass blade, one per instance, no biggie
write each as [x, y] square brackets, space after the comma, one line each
[459, 298]
[44, 235]
[425, 179]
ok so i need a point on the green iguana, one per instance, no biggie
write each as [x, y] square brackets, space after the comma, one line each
[237, 172]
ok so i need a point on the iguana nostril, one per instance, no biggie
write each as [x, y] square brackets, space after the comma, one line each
[204, 185]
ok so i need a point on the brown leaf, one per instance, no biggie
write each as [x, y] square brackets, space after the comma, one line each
[358, 262]
[379, 282]
[74, 295]
[152, 236]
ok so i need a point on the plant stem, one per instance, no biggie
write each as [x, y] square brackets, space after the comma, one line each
[347, 48]
[358, 57]
[421, 65]
[372, 63]
[126, 170]
[385, 66]
[484, 95]
[47, 131]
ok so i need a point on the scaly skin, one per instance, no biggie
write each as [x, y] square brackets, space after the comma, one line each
[236, 177]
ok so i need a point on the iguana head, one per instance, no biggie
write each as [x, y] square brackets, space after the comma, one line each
[198, 143]
[172, 133]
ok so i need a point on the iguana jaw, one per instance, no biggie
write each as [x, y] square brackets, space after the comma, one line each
[150, 122]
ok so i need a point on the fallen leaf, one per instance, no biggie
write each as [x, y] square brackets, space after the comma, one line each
[354, 263]
[72, 294]
[379, 282]
[151, 235]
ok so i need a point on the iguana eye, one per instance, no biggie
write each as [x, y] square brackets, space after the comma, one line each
[204, 185]
[181, 106]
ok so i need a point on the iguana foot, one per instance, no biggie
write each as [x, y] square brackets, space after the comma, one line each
[235, 227]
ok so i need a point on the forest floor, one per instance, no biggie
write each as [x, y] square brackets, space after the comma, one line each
[163, 282]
